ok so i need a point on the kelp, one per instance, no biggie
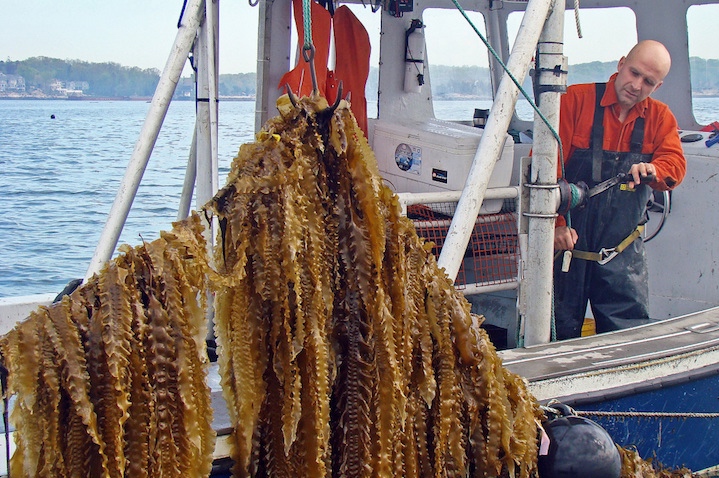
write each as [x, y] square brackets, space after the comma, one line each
[344, 350]
[110, 381]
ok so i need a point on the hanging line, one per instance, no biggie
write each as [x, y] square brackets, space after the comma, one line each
[521, 90]
[308, 49]
[546, 122]
[576, 18]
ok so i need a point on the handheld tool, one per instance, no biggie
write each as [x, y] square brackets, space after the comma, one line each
[577, 195]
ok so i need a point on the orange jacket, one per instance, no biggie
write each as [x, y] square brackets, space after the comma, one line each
[661, 138]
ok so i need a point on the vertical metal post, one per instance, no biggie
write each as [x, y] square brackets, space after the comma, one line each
[207, 112]
[493, 138]
[273, 56]
[148, 136]
[538, 285]
[207, 167]
[183, 210]
[496, 35]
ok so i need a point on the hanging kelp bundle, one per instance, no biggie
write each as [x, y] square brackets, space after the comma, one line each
[111, 380]
[344, 349]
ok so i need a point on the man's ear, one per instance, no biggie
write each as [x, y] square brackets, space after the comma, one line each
[658, 85]
[621, 62]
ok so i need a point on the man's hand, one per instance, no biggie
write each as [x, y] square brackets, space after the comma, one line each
[639, 170]
[564, 238]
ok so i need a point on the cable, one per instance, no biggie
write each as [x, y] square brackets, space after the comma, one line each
[521, 90]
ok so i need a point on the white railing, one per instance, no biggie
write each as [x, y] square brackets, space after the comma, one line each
[511, 192]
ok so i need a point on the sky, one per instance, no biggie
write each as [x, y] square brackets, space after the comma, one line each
[141, 33]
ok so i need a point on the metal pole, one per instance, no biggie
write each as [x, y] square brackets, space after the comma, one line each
[148, 135]
[213, 31]
[542, 211]
[203, 182]
[493, 137]
[183, 210]
[496, 39]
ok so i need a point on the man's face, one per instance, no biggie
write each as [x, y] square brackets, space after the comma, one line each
[637, 78]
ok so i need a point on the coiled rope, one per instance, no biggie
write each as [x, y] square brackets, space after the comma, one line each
[576, 196]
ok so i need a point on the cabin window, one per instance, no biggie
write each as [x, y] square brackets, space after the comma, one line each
[607, 35]
[703, 62]
[459, 62]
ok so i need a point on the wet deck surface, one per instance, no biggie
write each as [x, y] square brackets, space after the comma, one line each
[667, 338]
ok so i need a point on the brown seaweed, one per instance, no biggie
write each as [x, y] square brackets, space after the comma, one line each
[344, 350]
[110, 381]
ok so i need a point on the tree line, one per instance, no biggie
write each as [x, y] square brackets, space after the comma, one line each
[112, 79]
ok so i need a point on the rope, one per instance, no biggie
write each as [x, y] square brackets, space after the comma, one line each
[576, 196]
[576, 18]
[521, 90]
[648, 414]
[308, 49]
[307, 19]
[514, 80]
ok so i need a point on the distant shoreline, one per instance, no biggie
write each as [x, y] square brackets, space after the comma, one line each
[116, 98]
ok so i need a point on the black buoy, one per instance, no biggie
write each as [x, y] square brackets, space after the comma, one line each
[52, 116]
[578, 447]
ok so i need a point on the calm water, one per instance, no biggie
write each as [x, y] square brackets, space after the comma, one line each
[59, 177]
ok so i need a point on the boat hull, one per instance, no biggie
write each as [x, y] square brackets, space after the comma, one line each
[666, 368]
[689, 439]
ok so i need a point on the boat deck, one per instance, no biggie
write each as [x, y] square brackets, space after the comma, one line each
[615, 363]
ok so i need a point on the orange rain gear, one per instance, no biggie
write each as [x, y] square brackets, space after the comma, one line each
[661, 139]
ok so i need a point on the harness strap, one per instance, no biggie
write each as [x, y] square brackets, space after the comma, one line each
[637, 138]
[598, 133]
[607, 254]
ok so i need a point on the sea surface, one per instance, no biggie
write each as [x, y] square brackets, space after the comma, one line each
[59, 177]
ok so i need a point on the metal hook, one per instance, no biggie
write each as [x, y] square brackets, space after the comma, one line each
[291, 95]
[334, 106]
[310, 58]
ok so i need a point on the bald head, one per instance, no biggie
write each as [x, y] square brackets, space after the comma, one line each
[640, 73]
[654, 54]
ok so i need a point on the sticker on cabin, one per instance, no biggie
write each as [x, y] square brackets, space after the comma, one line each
[439, 175]
[408, 158]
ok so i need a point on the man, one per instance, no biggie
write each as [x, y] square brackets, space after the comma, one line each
[607, 129]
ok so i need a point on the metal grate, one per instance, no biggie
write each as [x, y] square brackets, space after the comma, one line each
[492, 255]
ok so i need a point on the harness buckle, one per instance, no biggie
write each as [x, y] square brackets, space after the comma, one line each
[607, 254]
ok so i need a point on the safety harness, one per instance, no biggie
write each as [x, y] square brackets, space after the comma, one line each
[606, 254]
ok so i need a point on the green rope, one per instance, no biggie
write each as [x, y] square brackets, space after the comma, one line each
[521, 90]
[546, 122]
[576, 196]
[307, 21]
